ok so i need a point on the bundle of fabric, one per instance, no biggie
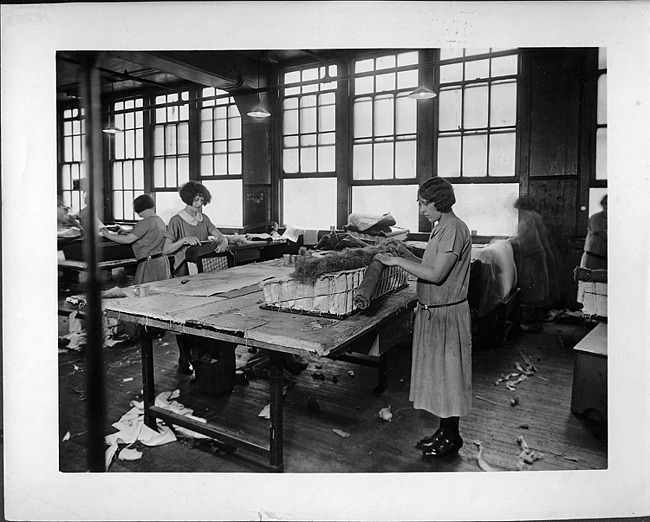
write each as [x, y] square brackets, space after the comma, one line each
[309, 269]
[338, 241]
[370, 224]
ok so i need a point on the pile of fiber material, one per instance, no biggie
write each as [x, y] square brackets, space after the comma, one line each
[309, 269]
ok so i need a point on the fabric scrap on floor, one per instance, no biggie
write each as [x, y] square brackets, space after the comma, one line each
[341, 433]
[479, 458]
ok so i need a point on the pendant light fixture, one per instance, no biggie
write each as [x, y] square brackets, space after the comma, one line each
[259, 111]
[112, 128]
[422, 93]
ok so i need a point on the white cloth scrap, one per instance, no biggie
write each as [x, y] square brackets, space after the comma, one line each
[131, 426]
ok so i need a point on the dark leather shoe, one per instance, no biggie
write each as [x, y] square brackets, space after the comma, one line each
[443, 447]
[429, 441]
[184, 366]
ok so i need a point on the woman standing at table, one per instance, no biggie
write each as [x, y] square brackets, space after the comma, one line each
[441, 371]
[146, 239]
[187, 228]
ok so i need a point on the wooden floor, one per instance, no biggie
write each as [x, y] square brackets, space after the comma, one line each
[342, 392]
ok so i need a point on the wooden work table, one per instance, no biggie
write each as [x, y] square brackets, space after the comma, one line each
[225, 305]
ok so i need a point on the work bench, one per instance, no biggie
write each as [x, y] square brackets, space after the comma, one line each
[225, 305]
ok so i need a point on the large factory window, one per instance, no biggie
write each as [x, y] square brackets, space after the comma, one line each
[308, 146]
[73, 155]
[126, 155]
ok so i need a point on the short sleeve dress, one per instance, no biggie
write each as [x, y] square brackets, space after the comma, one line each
[151, 238]
[441, 372]
[182, 225]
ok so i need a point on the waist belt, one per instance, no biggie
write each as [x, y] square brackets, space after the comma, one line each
[595, 255]
[149, 258]
[428, 307]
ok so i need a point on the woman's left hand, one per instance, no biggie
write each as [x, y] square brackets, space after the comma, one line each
[387, 260]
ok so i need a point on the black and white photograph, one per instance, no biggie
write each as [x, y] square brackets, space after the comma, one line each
[325, 260]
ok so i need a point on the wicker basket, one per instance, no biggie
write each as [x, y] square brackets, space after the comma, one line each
[332, 295]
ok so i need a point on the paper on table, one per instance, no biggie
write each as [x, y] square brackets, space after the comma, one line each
[292, 234]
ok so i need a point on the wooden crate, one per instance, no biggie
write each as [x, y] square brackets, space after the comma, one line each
[332, 295]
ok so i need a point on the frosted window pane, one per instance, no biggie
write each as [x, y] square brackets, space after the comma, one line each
[118, 143]
[234, 164]
[292, 91]
[363, 66]
[406, 117]
[292, 77]
[119, 121]
[170, 172]
[309, 203]
[158, 141]
[167, 204]
[308, 160]
[601, 154]
[383, 161]
[76, 148]
[170, 140]
[67, 146]
[405, 159]
[474, 156]
[407, 79]
[67, 127]
[308, 101]
[290, 122]
[602, 100]
[451, 73]
[291, 141]
[326, 158]
[129, 138]
[290, 161]
[449, 157]
[326, 138]
[206, 166]
[385, 82]
[449, 103]
[129, 120]
[362, 162]
[308, 140]
[220, 165]
[503, 110]
[160, 116]
[234, 146]
[476, 105]
[184, 112]
[498, 218]
[159, 172]
[602, 57]
[226, 208]
[117, 176]
[399, 200]
[502, 154]
[206, 130]
[127, 167]
[504, 65]
[183, 170]
[384, 116]
[138, 174]
[363, 85]
[308, 119]
[183, 139]
[290, 103]
[326, 119]
[118, 205]
[219, 128]
[139, 143]
[477, 69]
[362, 118]
[385, 62]
[234, 128]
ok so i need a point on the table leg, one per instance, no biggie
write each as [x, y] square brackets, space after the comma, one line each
[146, 354]
[276, 435]
[382, 380]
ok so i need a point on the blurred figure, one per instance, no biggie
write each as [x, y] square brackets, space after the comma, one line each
[536, 267]
[84, 216]
[66, 224]
[595, 251]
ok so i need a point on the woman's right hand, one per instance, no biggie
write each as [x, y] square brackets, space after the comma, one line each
[191, 240]
[387, 259]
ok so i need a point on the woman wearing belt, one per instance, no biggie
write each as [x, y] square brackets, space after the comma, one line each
[441, 371]
[146, 239]
[189, 227]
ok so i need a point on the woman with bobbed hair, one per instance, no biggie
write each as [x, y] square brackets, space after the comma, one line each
[146, 239]
[441, 371]
[191, 226]
[187, 228]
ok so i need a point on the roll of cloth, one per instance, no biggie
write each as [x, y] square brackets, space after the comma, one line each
[372, 276]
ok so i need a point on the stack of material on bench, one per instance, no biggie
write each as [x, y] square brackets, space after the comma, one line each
[592, 290]
[333, 293]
